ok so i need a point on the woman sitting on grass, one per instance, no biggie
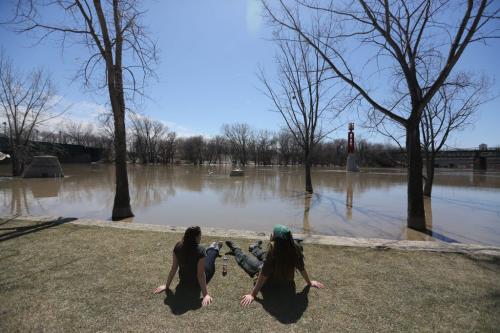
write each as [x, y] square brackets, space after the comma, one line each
[274, 268]
[196, 266]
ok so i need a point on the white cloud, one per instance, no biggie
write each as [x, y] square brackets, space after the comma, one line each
[83, 111]
[180, 130]
[86, 113]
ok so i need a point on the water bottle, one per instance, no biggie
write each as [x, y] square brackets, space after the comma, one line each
[224, 266]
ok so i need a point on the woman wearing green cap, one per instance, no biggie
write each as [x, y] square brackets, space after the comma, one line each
[275, 268]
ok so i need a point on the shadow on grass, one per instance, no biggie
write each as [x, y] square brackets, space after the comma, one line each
[184, 300]
[491, 263]
[285, 305]
[16, 232]
[9, 219]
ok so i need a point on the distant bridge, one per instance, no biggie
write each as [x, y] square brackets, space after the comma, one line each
[475, 158]
[478, 159]
[66, 153]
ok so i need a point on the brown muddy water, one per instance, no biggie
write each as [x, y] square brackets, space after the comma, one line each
[372, 203]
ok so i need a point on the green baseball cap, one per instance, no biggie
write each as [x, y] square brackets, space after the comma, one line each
[281, 231]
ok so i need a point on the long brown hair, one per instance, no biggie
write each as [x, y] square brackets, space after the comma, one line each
[285, 254]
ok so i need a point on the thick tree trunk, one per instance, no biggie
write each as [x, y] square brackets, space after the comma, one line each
[121, 205]
[430, 175]
[307, 164]
[17, 167]
[416, 212]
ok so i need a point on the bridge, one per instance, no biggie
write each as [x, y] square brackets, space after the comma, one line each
[67, 153]
[477, 159]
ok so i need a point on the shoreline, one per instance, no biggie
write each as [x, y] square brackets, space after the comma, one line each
[376, 243]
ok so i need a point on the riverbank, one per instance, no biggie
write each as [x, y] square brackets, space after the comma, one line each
[432, 245]
[64, 275]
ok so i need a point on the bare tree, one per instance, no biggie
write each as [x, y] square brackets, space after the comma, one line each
[452, 109]
[265, 144]
[26, 102]
[216, 149]
[402, 38]
[147, 134]
[106, 133]
[285, 146]
[105, 125]
[112, 32]
[166, 148]
[238, 136]
[302, 95]
[193, 149]
[78, 133]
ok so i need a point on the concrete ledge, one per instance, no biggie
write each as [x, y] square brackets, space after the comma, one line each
[377, 243]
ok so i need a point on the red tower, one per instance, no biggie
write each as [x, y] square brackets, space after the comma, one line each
[350, 139]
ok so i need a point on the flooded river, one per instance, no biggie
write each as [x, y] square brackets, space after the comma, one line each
[465, 206]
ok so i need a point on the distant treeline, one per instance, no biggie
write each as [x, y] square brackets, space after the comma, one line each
[150, 141]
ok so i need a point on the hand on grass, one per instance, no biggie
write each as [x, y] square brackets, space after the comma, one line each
[246, 300]
[317, 284]
[160, 289]
[207, 300]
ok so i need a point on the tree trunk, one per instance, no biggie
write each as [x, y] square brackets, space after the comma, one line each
[430, 175]
[307, 164]
[416, 213]
[121, 205]
[17, 168]
[244, 156]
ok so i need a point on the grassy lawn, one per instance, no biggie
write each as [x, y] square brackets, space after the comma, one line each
[63, 278]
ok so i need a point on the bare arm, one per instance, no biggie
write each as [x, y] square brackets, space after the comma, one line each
[202, 281]
[173, 270]
[258, 286]
[312, 283]
[247, 299]
[171, 274]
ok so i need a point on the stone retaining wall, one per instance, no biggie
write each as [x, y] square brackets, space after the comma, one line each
[432, 246]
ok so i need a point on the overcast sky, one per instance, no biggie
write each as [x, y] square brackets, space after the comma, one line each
[210, 51]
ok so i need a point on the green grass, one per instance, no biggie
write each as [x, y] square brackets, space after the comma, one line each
[66, 278]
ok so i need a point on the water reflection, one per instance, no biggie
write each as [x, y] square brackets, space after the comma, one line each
[428, 213]
[464, 207]
[349, 195]
[151, 186]
[18, 201]
[307, 207]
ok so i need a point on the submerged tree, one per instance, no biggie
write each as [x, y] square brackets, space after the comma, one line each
[302, 95]
[452, 109]
[400, 39]
[118, 44]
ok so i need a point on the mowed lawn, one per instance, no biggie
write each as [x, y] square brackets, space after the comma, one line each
[64, 278]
